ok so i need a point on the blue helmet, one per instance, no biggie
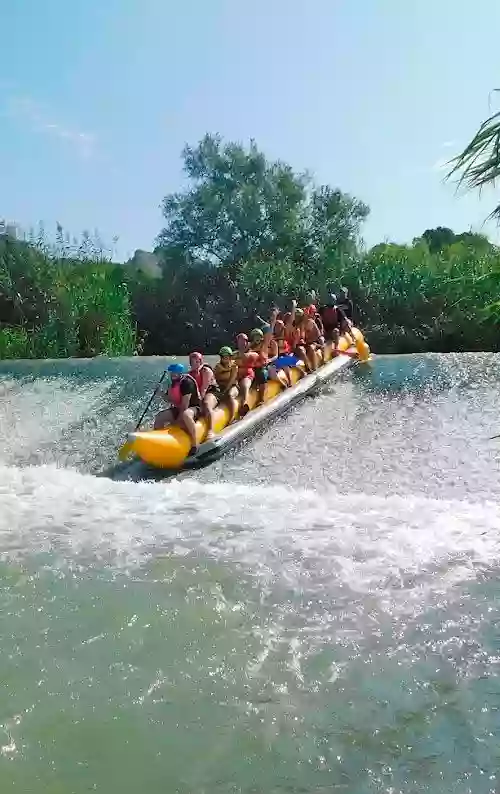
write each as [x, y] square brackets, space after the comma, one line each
[176, 368]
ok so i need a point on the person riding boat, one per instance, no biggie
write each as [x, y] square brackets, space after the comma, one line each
[184, 402]
[280, 368]
[295, 335]
[330, 318]
[226, 375]
[311, 311]
[291, 334]
[346, 304]
[246, 360]
[313, 338]
[207, 386]
[280, 338]
[309, 340]
[345, 325]
[265, 346]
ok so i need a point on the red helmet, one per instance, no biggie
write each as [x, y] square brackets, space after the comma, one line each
[242, 336]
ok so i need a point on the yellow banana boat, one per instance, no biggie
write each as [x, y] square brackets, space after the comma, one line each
[168, 448]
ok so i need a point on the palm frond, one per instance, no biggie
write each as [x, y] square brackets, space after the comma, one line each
[479, 163]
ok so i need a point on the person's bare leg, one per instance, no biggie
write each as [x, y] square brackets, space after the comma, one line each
[163, 419]
[320, 354]
[261, 393]
[232, 402]
[209, 404]
[280, 375]
[302, 355]
[311, 358]
[288, 375]
[187, 419]
[245, 384]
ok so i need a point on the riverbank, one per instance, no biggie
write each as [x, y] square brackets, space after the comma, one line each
[406, 299]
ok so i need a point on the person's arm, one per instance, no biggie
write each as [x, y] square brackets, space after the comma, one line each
[273, 316]
[207, 380]
[186, 391]
[233, 380]
[272, 351]
[292, 311]
[163, 395]
[265, 353]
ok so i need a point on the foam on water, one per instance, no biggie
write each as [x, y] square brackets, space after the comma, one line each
[370, 543]
[38, 413]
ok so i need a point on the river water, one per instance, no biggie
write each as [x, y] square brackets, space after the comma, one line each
[317, 612]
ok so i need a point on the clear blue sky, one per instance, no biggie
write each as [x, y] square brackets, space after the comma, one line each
[98, 97]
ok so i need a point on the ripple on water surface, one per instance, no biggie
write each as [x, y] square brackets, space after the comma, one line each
[316, 613]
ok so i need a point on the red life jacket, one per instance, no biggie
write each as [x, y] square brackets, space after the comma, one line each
[246, 363]
[282, 342]
[199, 378]
[174, 393]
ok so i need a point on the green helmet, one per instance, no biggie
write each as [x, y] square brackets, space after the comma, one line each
[257, 332]
[225, 351]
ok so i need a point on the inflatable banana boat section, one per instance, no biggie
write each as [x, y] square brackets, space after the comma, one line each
[168, 448]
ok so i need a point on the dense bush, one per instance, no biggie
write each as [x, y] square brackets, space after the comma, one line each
[57, 303]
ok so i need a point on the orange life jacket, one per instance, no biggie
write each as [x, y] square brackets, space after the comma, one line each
[292, 336]
[283, 344]
[224, 374]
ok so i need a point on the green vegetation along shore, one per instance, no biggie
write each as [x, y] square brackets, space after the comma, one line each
[244, 234]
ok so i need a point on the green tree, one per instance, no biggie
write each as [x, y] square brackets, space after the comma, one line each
[438, 238]
[237, 204]
[442, 239]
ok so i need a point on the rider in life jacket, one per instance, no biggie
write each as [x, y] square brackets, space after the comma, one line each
[312, 312]
[291, 333]
[208, 390]
[308, 340]
[330, 317]
[184, 402]
[263, 343]
[280, 368]
[247, 360]
[226, 375]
